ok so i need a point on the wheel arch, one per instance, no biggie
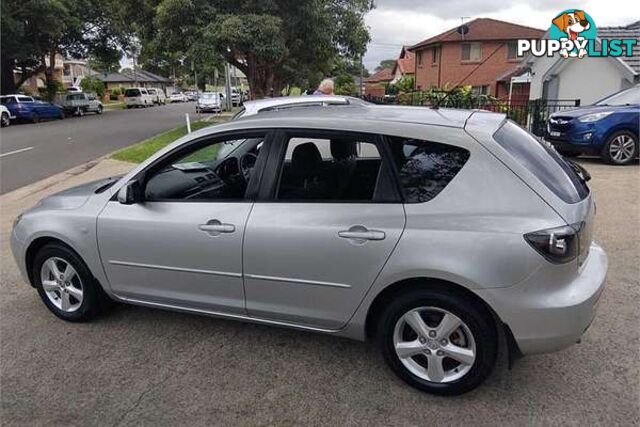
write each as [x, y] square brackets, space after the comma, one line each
[405, 285]
[35, 246]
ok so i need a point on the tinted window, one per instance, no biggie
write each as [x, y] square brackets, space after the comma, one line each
[25, 99]
[425, 168]
[8, 100]
[218, 171]
[339, 168]
[132, 92]
[543, 161]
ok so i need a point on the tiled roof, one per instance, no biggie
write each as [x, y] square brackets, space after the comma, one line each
[129, 77]
[113, 77]
[631, 31]
[484, 29]
[407, 64]
[384, 75]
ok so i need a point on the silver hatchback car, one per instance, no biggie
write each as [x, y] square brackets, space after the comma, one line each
[433, 232]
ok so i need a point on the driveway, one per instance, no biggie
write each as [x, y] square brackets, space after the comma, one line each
[139, 366]
[31, 152]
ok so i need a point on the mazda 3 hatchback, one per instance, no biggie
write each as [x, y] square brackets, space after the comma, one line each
[432, 232]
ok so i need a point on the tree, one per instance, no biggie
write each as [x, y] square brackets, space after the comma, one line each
[386, 63]
[274, 43]
[92, 84]
[34, 31]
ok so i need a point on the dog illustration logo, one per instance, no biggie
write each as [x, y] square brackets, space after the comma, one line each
[574, 25]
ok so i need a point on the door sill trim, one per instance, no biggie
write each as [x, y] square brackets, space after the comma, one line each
[220, 314]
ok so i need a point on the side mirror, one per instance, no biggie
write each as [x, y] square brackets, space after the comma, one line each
[130, 194]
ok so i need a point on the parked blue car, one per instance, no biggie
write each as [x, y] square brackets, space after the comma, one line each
[608, 129]
[22, 107]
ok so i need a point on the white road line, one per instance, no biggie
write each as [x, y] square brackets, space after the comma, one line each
[16, 151]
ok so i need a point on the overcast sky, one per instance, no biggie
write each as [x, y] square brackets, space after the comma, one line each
[394, 23]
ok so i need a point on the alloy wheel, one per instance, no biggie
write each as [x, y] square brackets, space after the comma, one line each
[622, 149]
[62, 285]
[434, 344]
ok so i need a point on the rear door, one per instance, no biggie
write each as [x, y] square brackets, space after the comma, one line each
[327, 219]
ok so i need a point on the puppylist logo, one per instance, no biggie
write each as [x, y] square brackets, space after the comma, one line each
[573, 35]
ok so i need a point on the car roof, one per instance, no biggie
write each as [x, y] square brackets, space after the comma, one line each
[369, 112]
[255, 106]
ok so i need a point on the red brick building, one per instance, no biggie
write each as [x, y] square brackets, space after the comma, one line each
[376, 84]
[489, 44]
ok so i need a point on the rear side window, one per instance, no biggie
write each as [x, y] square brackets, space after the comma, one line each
[131, 93]
[543, 161]
[425, 168]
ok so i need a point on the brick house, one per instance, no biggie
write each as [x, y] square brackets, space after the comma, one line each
[376, 84]
[489, 44]
[405, 65]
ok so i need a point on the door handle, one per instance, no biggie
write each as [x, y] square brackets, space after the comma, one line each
[361, 233]
[215, 227]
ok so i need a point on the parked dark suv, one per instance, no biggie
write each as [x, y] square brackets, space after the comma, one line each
[608, 129]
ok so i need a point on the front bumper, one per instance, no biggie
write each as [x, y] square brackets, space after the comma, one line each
[213, 108]
[574, 136]
[551, 316]
[18, 250]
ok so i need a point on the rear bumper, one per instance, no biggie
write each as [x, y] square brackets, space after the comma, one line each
[549, 318]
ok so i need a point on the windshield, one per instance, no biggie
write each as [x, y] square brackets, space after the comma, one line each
[625, 97]
[209, 95]
[543, 161]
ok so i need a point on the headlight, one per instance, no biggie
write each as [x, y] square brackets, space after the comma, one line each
[589, 118]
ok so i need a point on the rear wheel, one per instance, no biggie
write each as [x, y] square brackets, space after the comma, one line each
[621, 148]
[65, 284]
[438, 342]
[99, 109]
[79, 112]
[5, 120]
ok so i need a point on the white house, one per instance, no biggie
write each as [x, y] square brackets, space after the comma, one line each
[588, 79]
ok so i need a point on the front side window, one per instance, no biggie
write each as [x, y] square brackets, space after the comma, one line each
[543, 161]
[25, 99]
[131, 93]
[425, 168]
[471, 52]
[220, 170]
[7, 100]
[340, 168]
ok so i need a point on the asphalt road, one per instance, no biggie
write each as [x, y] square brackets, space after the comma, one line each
[138, 366]
[31, 152]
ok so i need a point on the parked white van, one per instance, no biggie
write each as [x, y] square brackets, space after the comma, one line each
[138, 97]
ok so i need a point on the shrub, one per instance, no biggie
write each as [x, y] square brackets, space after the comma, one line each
[92, 84]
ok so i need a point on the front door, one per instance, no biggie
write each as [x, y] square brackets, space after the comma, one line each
[182, 245]
[329, 222]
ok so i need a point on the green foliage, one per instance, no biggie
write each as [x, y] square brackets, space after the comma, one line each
[92, 84]
[456, 97]
[405, 84]
[345, 85]
[386, 63]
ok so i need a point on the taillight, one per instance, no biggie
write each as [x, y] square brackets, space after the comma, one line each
[558, 245]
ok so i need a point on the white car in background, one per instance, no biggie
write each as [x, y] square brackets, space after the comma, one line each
[158, 96]
[5, 116]
[137, 97]
[209, 102]
[178, 97]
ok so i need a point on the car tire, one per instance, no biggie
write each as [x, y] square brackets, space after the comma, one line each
[621, 148]
[61, 114]
[35, 118]
[5, 120]
[79, 112]
[74, 295]
[100, 108]
[473, 342]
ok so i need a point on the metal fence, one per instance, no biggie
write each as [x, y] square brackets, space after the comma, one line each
[532, 114]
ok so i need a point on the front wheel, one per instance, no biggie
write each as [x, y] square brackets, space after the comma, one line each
[35, 118]
[438, 342]
[65, 284]
[99, 109]
[621, 148]
[5, 120]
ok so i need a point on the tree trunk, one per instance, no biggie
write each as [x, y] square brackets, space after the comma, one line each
[49, 75]
[8, 82]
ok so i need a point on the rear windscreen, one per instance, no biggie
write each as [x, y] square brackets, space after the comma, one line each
[543, 161]
[131, 92]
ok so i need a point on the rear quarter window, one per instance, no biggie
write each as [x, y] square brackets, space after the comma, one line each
[543, 161]
[425, 168]
[131, 92]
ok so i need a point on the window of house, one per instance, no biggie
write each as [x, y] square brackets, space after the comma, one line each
[220, 170]
[419, 57]
[434, 55]
[425, 168]
[512, 49]
[471, 52]
[328, 168]
[480, 90]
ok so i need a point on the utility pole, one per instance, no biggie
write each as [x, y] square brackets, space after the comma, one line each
[227, 85]
[361, 84]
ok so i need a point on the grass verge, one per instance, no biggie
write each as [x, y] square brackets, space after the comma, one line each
[142, 150]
